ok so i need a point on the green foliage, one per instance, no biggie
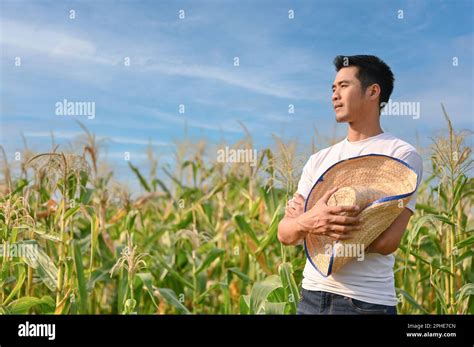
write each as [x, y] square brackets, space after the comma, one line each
[202, 238]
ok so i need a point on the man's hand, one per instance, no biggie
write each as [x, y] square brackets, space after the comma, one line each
[295, 206]
[326, 220]
[320, 220]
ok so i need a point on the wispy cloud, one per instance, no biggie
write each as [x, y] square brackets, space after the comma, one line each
[190, 62]
[114, 139]
[134, 141]
[182, 120]
[57, 45]
[62, 46]
[50, 134]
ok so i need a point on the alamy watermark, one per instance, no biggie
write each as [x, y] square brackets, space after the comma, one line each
[401, 108]
[351, 250]
[20, 250]
[75, 108]
[37, 330]
[241, 155]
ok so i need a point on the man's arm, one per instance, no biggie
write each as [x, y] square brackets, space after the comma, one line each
[289, 232]
[389, 240]
[319, 220]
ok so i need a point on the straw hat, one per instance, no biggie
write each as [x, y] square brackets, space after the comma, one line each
[380, 185]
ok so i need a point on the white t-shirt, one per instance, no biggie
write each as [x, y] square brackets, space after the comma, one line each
[370, 280]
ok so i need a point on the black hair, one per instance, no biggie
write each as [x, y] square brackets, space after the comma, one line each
[371, 69]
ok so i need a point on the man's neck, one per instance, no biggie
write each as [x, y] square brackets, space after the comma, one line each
[359, 132]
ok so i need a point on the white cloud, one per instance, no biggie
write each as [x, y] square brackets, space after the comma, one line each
[182, 120]
[62, 46]
[246, 80]
[53, 43]
[57, 135]
[135, 141]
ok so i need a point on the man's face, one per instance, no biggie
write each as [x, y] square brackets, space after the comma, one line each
[348, 99]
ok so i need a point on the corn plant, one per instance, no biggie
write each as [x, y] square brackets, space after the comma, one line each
[201, 236]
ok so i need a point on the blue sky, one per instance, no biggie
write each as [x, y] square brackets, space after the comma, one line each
[190, 61]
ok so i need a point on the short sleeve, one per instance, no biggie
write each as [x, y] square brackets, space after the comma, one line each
[306, 181]
[413, 159]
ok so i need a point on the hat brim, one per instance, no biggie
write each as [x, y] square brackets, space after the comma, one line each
[395, 177]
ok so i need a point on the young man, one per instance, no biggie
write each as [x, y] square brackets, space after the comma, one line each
[362, 85]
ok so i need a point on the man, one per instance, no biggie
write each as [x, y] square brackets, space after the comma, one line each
[363, 84]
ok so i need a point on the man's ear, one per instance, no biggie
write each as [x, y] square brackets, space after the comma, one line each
[373, 91]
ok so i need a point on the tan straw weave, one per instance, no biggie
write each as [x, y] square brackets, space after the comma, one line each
[380, 185]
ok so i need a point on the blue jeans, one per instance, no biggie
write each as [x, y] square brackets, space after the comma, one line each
[317, 302]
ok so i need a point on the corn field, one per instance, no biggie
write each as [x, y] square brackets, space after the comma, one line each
[202, 238]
